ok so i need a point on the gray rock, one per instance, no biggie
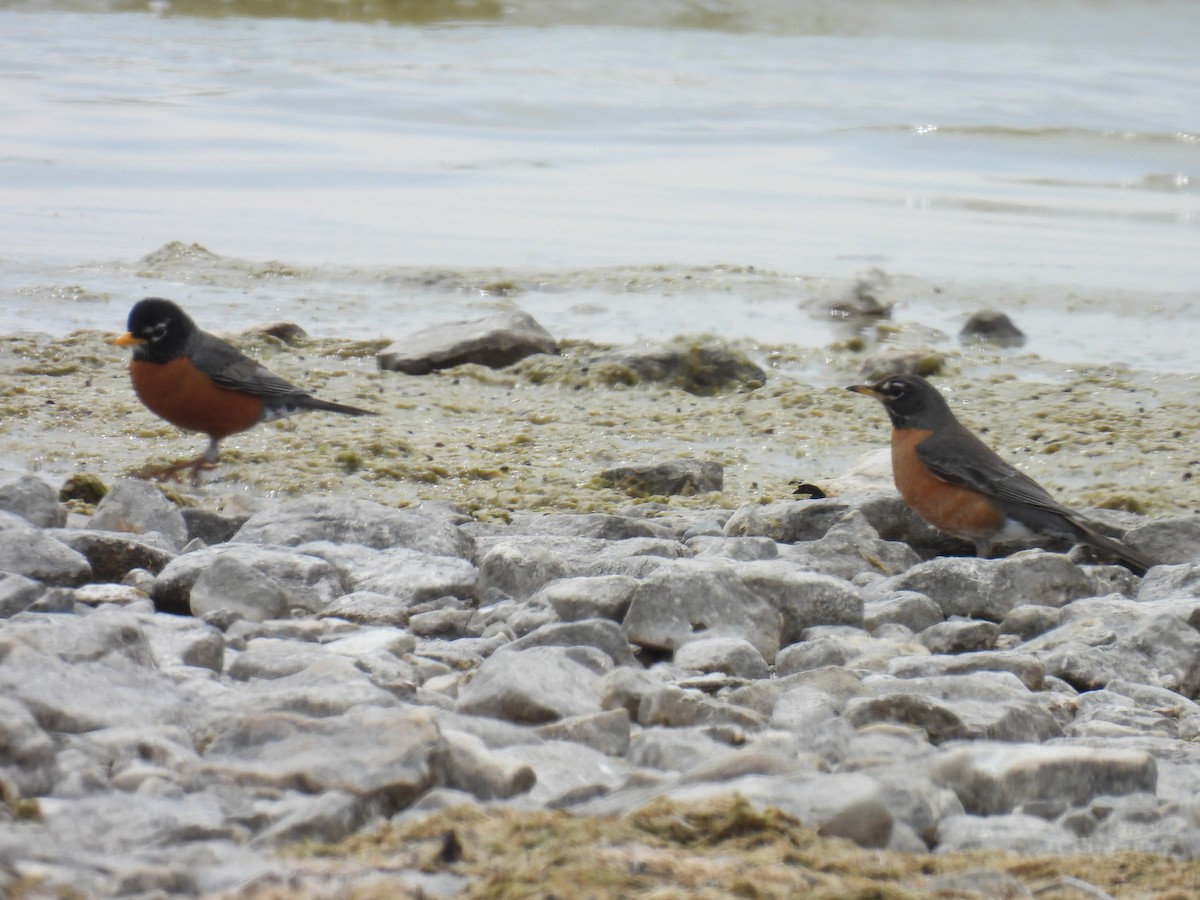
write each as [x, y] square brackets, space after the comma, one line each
[1101, 639]
[26, 550]
[55, 600]
[1028, 622]
[859, 298]
[684, 477]
[29, 764]
[311, 583]
[385, 758]
[182, 641]
[1027, 835]
[846, 804]
[18, 593]
[1144, 823]
[689, 599]
[852, 547]
[88, 694]
[608, 731]
[1023, 665]
[672, 749]
[625, 688]
[990, 326]
[677, 707]
[447, 623]
[787, 522]
[991, 588]
[115, 594]
[908, 608]
[914, 799]
[1173, 583]
[599, 597]
[486, 775]
[348, 520]
[34, 501]
[112, 823]
[541, 684]
[496, 342]
[567, 773]
[232, 585]
[270, 658]
[742, 549]
[696, 368]
[520, 565]
[842, 647]
[1169, 541]
[803, 709]
[112, 554]
[325, 818]
[960, 636]
[1108, 714]
[600, 633]
[209, 526]
[324, 687]
[979, 705]
[519, 569]
[1171, 651]
[817, 653]
[804, 599]
[591, 525]
[369, 608]
[383, 654]
[732, 656]
[108, 634]
[138, 507]
[1163, 700]
[991, 779]
[412, 576]
[223, 739]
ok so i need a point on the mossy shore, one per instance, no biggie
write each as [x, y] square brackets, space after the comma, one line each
[535, 435]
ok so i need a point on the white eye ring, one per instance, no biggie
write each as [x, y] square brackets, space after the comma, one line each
[156, 333]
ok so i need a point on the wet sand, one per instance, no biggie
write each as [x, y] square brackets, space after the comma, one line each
[535, 435]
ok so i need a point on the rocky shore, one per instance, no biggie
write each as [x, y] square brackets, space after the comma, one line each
[188, 693]
[576, 604]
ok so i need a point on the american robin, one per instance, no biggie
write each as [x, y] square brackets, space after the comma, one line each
[956, 483]
[198, 382]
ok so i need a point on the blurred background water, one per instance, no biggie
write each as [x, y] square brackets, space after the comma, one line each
[640, 169]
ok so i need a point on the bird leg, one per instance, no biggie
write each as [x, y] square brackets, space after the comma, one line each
[206, 460]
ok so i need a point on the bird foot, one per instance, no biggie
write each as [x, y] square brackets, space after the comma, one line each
[172, 472]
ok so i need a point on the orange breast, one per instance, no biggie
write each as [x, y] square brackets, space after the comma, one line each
[178, 392]
[956, 510]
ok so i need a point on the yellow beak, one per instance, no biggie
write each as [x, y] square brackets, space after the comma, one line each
[867, 389]
[128, 340]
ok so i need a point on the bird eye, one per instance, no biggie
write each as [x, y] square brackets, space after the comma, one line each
[156, 331]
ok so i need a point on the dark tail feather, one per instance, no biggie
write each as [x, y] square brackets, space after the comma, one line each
[314, 403]
[1138, 562]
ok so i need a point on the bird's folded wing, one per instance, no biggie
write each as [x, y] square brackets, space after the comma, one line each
[967, 461]
[230, 368]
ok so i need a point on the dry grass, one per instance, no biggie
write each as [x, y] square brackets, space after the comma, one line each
[721, 849]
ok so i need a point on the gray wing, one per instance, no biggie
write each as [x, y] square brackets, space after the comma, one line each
[957, 456]
[232, 369]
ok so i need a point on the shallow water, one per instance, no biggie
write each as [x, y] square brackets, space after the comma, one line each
[583, 150]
